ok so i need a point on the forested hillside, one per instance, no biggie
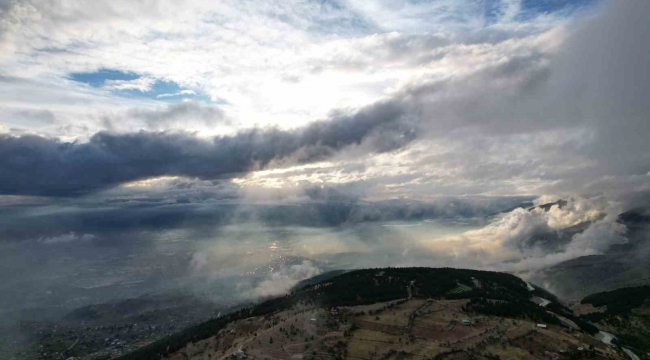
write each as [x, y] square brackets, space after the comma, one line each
[626, 314]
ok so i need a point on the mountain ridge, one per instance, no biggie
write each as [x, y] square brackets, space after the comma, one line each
[369, 293]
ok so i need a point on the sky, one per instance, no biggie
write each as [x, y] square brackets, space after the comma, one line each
[414, 99]
[132, 117]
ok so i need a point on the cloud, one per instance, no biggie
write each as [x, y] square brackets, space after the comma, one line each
[524, 241]
[559, 110]
[279, 282]
[40, 166]
[458, 15]
[177, 115]
[142, 84]
[317, 120]
[40, 116]
[66, 238]
[563, 113]
[182, 92]
[508, 117]
[203, 208]
[599, 237]
[344, 55]
[199, 262]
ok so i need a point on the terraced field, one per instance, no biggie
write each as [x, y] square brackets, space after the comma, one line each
[460, 289]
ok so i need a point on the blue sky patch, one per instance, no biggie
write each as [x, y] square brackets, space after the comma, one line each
[162, 90]
[97, 78]
[493, 10]
[533, 8]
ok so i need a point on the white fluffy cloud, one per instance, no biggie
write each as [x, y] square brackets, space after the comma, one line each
[279, 282]
[268, 63]
[142, 84]
[533, 115]
[518, 241]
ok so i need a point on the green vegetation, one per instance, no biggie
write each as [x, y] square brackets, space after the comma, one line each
[588, 327]
[559, 309]
[632, 327]
[372, 285]
[618, 302]
[459, 290]
[515, 308]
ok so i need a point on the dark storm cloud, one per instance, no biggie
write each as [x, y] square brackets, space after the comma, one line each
[607, 81]
[34, 165]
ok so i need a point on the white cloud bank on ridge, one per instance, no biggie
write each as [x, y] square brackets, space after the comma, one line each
[279, 282]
